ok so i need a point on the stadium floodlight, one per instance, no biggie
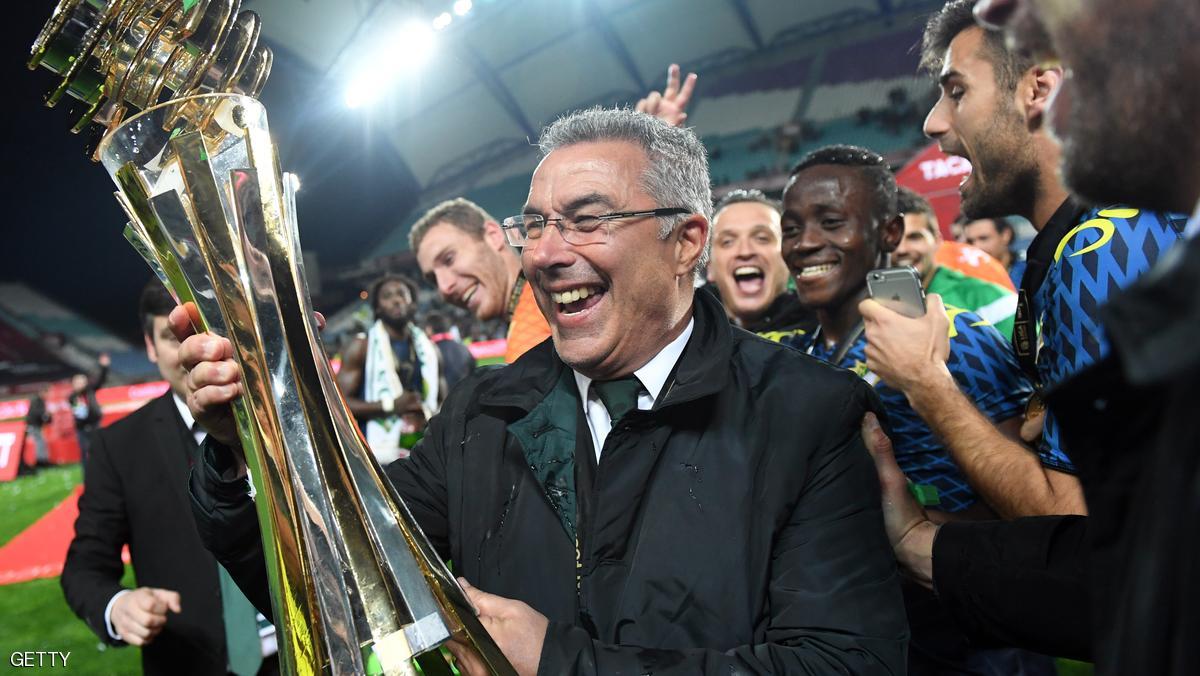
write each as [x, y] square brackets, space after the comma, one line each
[404, 53]
[442, 20]
[461, 7]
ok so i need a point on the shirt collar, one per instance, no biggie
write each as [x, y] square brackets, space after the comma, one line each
[653, 376]
[184, 413]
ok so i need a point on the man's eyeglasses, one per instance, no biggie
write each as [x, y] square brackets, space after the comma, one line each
[579, 230]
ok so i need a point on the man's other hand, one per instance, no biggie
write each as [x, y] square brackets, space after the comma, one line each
[408, 403]
[906, 352]
[517, 629]
[139, 616]
[670, 105]
[1033, 424]
[213, 379]
[909, 529]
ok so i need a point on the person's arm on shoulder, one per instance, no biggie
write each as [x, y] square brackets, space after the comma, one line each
[910, 355]
[1021, 583]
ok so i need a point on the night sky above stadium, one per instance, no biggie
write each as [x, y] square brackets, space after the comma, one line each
[62, 227]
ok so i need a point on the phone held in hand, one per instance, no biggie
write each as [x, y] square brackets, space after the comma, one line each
[898, 289]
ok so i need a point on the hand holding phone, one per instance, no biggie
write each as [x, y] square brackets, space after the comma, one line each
[898, 289]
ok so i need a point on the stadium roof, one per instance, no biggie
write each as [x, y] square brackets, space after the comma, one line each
[457, 106]
[458, 124]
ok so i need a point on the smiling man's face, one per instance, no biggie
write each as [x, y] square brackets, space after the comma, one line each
[609, 304]
[746, 263]
[468, 271]
[832, 234]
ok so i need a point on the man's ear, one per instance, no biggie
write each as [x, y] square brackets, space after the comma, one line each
[1036, 91]
[691, 236]
[493, 234]
[891, 232]
[151, 353]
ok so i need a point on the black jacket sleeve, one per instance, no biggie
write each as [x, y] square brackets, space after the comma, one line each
[421, 481]
[92, 572]
[1021, 583]
[834, 595]
[227, 522]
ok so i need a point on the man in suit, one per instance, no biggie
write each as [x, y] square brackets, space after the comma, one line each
[136, 494]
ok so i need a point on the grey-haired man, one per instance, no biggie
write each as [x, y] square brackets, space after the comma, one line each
[645, 492]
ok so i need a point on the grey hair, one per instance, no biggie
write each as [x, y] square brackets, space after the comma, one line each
[676, 162]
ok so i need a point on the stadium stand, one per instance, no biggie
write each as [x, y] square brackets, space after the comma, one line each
[67, 338]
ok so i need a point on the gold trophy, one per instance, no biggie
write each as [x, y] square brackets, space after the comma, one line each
[355, 585]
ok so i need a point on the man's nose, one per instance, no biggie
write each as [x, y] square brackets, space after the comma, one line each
[937, 122]
[548, 250]
[445, 283]
[809, 240]
[743, 249]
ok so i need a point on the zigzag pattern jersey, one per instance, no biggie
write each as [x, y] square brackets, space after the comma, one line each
[1107, 251]
[987, 372]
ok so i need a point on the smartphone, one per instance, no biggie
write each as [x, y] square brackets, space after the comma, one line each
[899, 289]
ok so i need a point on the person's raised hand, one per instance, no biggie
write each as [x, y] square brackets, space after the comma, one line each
[907, 352]
[213, 380]
[671, 104]
[140, 615]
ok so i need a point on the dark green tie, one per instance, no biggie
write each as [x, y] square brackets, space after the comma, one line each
[619, 396]
[241, 628]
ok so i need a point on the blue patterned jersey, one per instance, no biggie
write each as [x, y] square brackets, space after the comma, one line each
[1107, 251]
[982, 362]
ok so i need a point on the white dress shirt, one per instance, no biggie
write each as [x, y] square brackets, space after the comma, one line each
[188, 420]
[653, 376]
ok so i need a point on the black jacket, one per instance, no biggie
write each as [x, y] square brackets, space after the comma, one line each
[733, 528]
[37, 415]
[786, 316]
[136, 494]
[1122, 582]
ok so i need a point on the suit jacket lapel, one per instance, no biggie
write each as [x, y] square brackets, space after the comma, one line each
[172, 445]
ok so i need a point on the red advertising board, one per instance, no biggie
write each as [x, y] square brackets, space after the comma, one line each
[12, 443]
[62, 443]
[118, 402]
[936, 176]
